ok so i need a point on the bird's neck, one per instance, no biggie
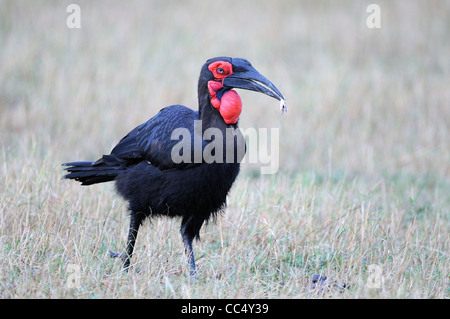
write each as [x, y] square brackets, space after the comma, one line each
[232, 136]
[209, 115]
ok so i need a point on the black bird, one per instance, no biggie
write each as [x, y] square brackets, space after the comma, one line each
[160, 174]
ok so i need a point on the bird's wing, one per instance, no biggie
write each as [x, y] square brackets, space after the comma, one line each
[153, 140]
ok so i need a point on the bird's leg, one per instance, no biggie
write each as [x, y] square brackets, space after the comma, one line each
[135, 222]
[190, 256]
[188, 230]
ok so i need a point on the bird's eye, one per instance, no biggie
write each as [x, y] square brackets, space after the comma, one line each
[220, 70]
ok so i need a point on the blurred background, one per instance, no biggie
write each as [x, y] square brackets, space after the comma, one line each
[364, 161]
[361, 101]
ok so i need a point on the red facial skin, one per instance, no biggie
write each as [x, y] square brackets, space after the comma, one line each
[230, 105]
[225, 66]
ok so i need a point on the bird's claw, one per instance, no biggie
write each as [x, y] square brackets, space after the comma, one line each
[123, 257]
[115, 255]
[318, 281]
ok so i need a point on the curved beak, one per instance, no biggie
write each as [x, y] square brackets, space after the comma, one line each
[246, 77]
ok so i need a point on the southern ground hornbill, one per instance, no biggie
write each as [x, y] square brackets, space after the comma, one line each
[149, 174]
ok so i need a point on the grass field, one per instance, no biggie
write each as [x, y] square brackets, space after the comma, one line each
[362, 194]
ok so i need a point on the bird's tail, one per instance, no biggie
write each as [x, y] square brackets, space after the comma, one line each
[89, 173]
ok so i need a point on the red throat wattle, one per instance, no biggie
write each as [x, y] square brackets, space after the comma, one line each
[229, 106]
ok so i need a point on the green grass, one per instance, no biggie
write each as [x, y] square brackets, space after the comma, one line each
[364, 150]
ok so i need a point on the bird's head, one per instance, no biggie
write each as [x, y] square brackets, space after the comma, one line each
[223, 74]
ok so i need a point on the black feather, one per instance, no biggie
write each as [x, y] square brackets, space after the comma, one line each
[153, 183]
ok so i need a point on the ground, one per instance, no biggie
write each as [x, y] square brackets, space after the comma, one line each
[361, 194]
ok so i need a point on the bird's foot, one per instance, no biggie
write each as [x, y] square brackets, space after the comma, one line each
[116, 255]
[319, 283]
[124, 257]
[193, 275]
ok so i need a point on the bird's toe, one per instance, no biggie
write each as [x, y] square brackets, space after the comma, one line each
[114, 255]
[318, 281]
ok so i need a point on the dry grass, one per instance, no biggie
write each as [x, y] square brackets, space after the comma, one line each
[364, 151]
